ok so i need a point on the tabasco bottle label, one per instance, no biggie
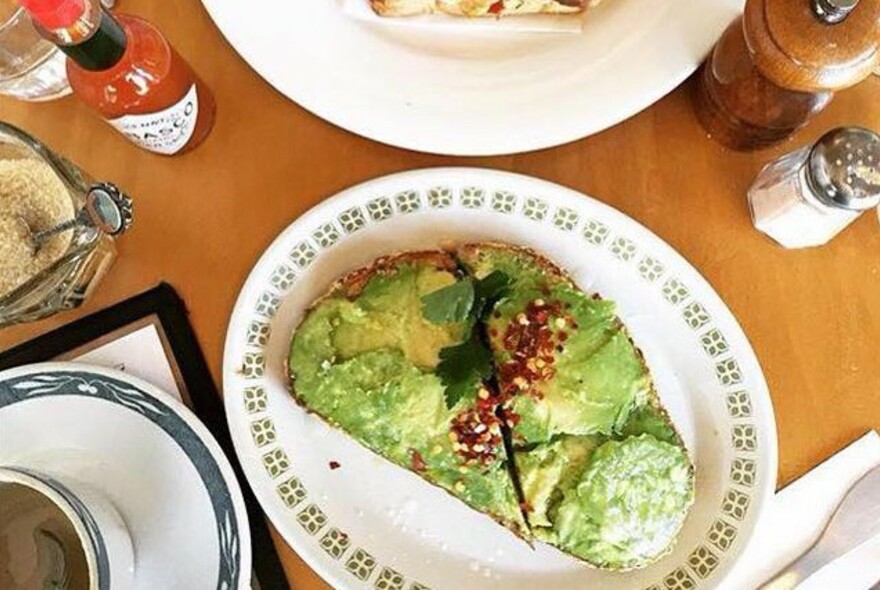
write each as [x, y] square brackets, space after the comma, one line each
[163, 132]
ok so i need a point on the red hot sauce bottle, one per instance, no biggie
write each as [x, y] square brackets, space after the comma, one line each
[125, 69]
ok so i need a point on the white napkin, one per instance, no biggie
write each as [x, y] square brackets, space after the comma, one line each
[539, 23]
[798, 514]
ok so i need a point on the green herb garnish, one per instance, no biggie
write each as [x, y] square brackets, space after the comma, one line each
[487, 292]
[449, 305]
[465, 300]
[464, 366]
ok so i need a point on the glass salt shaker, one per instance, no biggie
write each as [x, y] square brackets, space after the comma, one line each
[809, 196]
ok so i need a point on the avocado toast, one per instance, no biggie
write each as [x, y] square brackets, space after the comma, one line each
[597, 468]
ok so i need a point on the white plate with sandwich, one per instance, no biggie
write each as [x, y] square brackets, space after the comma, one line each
[474, 90]
[304, 423]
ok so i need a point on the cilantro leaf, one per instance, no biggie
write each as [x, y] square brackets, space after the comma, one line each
[495, 285]
[466, 365]
[450, 304]
[463, 367]
[465, 300]
[487, 292]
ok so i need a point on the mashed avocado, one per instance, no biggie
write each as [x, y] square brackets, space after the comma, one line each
[628, 505]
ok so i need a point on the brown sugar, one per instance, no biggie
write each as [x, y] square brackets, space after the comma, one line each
[32, 198]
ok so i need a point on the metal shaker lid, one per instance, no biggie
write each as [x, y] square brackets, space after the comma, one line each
[108, 208]
[843, 169]
[833, 11]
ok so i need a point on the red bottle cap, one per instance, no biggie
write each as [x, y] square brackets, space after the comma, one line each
[55, 14]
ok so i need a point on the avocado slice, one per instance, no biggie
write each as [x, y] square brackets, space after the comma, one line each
[363, 359]
[582, 409]
[652, 419]
[546, 470]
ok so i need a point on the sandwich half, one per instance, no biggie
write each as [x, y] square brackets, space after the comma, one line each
[364, 360]
[604, 475]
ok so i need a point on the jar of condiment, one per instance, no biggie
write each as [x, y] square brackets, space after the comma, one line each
[809, 196]
[39, 191]
[780, 64]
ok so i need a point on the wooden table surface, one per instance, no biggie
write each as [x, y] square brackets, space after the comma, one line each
[202, 220]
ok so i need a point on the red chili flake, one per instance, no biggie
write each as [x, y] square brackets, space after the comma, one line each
[497, 7]
[511, 340]
[510, 417]
[334, 465]
[526, 507]
[417, 461]
[532, 344]
[477, 431]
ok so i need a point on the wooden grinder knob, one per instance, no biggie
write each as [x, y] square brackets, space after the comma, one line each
[793, 44]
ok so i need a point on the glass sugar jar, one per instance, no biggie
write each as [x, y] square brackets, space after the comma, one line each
[809, 196]
[41, 191]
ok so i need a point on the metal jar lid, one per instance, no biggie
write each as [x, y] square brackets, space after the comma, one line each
[843, 169]
[833, 11]
[108, 209]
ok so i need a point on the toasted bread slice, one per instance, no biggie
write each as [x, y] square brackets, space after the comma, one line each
[476, 8]
[363, 360]
[581, 400]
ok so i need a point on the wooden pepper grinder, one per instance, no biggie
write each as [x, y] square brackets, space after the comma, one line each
[779, 65]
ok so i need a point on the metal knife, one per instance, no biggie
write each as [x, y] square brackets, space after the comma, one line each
[855, 521]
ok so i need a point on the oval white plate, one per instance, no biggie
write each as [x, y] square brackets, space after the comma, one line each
[370, 524]
[473, 93]
[147, 454]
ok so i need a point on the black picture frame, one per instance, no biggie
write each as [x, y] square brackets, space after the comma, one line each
[202, 395]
